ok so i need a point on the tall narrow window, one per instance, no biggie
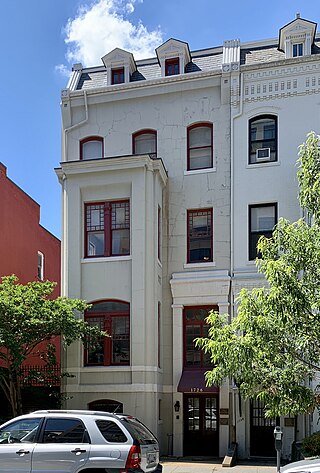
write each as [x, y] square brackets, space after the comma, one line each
[91, 147]
[40, 266]
[114, 318]
[117, 76]
[262, 139]
[145, 142]
[159, 334]
[195, 325]
[199, 236]
[172, 67]
[262, 219]
[159, 232]
[199, 143]
[107, 229]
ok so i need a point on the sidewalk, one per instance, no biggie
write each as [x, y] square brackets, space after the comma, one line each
[187, 466]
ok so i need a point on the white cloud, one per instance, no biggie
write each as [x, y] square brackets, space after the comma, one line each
[63, 70]
[104, 25]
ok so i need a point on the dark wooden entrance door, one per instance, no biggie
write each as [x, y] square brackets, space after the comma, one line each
[201, 425]
[261, 431]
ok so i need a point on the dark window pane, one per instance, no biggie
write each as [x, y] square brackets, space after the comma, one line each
[111, 431]
[263, 140]
[65, 431]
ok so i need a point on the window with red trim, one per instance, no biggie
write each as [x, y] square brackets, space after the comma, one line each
[107, 229]
[200, 147]
[194, 326]
[199, 235]
[117, 76]
[114, 318]
[91, 147]
[145, 142]
[172, 67]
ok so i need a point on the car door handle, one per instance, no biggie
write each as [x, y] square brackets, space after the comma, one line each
[77, 451]
[22, 452]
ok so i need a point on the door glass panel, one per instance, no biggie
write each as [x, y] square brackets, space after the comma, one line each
[211, 413]
[20, 431]
[65, 431]
[193, 414]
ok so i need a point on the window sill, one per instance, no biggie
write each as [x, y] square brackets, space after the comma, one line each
[262, 165]
[199, 171]
[212, 264]
[105, 259]
[108, 367]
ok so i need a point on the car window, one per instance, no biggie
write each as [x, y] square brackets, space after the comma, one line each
[139, 431]
[111, 431]
[24, 430]
[65, 431]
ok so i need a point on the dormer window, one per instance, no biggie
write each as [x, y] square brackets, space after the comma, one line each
[117, 76]
[172, 67]
[297, 37]
[173, 56]
[120, 66]
[297, 49]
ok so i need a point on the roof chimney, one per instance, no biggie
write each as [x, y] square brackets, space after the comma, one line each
[3, 169]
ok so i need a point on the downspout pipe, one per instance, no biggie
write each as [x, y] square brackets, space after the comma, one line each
[64, 196]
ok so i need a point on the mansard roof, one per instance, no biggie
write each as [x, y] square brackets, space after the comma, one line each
[205, 60]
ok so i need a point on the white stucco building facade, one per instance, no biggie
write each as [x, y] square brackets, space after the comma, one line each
[168, 166]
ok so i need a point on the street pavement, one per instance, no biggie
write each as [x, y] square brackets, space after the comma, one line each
[214, 466]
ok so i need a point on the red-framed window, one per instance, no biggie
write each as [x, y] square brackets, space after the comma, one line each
[172, 67]
[194, 326]
[200, 146]
[117, 76]
[145, 142]
[107, 228]
[91, 147]
[114, 317]
[199, 236]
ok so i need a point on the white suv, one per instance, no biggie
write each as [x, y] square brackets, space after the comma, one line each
[68, 441]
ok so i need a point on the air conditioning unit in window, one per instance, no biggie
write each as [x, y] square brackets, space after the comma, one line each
[263, 154]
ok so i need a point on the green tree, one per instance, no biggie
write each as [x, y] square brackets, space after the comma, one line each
[271, 348]
[29, 316]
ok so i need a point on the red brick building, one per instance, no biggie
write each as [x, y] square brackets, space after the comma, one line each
[27, 249]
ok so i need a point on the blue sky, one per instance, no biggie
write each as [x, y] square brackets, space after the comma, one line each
[41, 39]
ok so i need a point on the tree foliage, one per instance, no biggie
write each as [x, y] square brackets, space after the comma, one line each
[28, 316]
[271, 348]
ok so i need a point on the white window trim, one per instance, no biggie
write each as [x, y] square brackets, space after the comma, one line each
[41, 275]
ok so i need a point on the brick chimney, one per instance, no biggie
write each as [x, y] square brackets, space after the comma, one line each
[3, 170]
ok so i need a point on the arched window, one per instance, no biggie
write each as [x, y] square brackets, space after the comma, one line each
[91, 147]
[106, 405]
[263, 139]
[113, 317]
[145, 142]
[200, 146]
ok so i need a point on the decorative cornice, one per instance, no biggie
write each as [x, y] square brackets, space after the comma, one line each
[72, 168]
[291, 79]
[190, 76]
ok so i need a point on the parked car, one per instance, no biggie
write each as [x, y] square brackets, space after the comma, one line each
[303, 466]
[70, 441]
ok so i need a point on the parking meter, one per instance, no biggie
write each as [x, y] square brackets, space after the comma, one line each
[278, 438]
[278, 434]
